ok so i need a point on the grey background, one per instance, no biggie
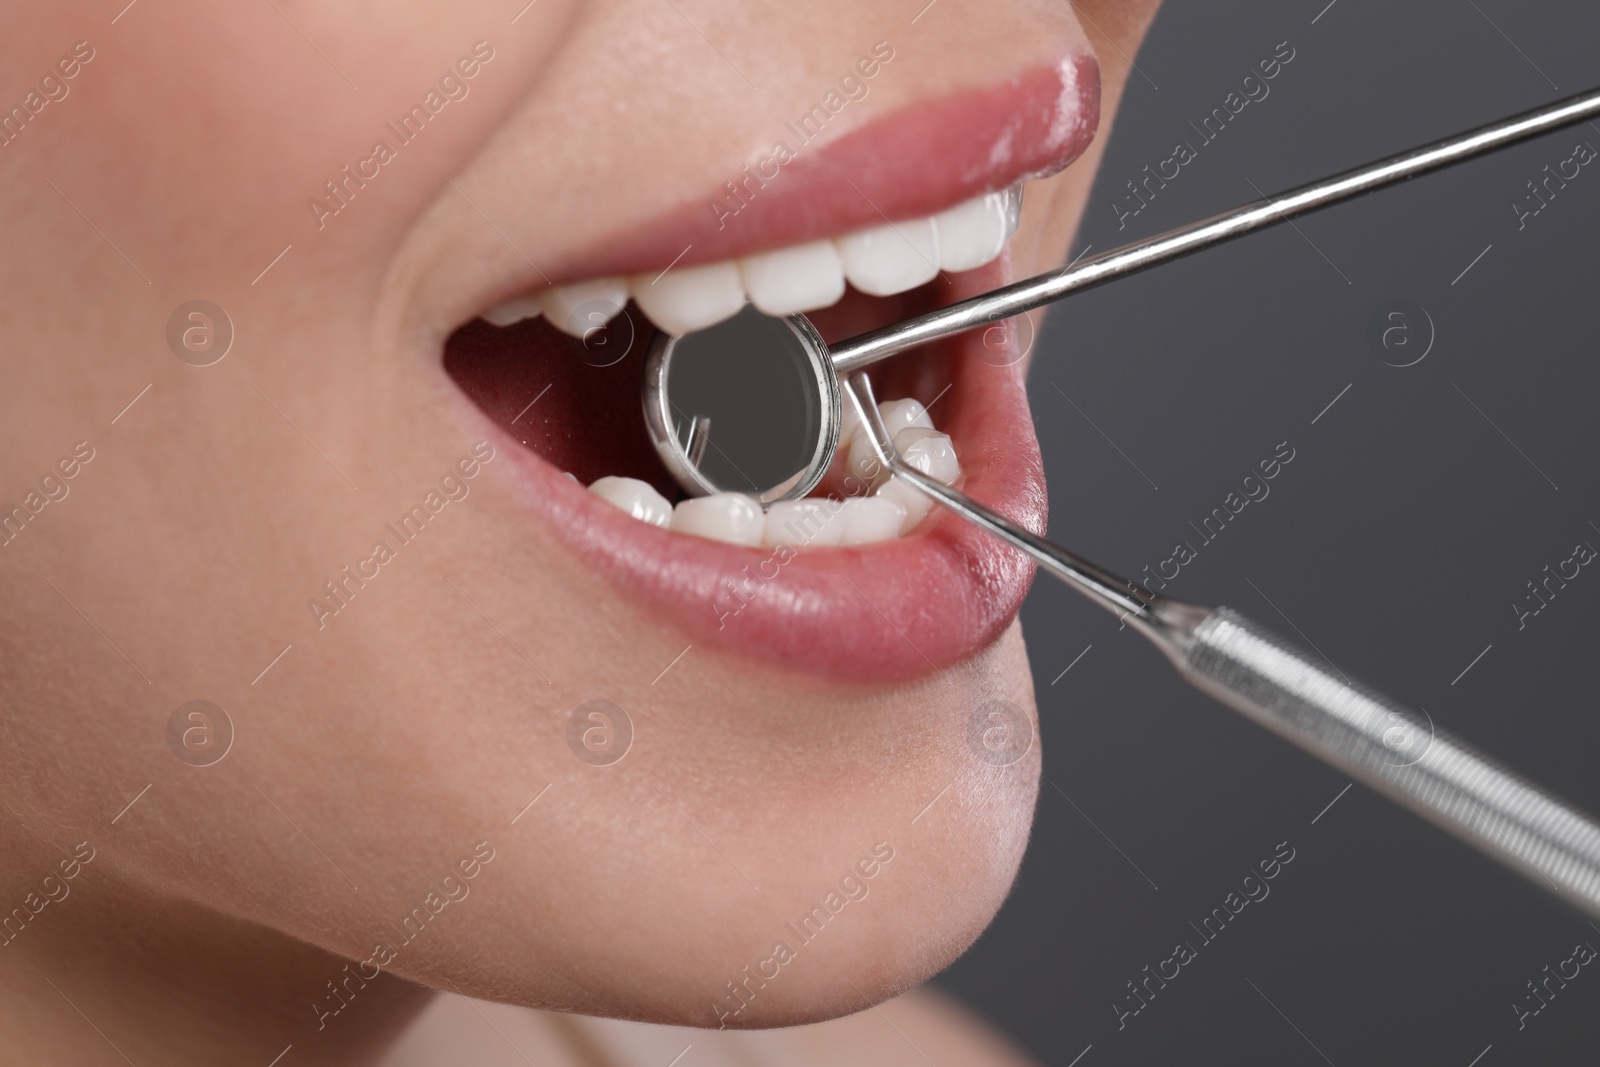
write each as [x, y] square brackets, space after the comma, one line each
[1396, 541]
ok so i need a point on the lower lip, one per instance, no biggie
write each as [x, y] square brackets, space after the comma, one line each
[883, 612]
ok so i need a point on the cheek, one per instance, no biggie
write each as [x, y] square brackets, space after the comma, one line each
[258, 121]
[227, 120]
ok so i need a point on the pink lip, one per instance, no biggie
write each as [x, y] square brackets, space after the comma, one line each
[897, 609]
[921, 159]
[881, 612]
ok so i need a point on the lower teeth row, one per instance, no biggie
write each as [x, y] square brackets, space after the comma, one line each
[881, 507]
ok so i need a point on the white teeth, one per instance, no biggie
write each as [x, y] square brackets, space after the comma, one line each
[803, 522]
[912, 501]
[791, 280]
[512, 311]
[972, 234]
[862, 461]
[879, 261]
[891, 258]
[729, 517]
[1013, 202]
[870, 518]
[577, 309]
[893, 510]
[930, 452]
[736, 519]
[897, 415]
[923, 447]
[637, 498]
[903, 415]
[686, 299]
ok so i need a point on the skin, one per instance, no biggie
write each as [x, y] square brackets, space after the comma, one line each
[378, 752]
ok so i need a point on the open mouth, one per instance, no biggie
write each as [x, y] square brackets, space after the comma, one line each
[890, 270]
[864, 579]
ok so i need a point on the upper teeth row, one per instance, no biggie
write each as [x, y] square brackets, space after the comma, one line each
[879, 261]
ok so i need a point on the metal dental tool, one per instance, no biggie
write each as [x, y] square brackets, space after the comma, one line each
[1309, 702]
[1241, 664]
[818, 366]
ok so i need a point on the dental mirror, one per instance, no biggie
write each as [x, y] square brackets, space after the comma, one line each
[750, 405]
[796, 349]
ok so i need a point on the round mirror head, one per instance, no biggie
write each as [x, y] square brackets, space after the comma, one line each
[750, 405]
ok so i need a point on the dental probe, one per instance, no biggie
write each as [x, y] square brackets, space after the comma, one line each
[858, 352]
[1310, 703]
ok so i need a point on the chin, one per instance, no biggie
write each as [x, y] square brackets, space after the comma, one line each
[766, 876]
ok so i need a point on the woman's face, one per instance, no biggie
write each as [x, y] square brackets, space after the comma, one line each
[367, 557]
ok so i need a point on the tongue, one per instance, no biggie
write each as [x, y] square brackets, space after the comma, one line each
[587, 419]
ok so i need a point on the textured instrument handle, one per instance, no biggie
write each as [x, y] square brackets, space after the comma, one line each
[1395, 752]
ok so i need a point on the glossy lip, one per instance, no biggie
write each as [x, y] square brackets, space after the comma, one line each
[893, 610]
[882, 612]
[919, 160]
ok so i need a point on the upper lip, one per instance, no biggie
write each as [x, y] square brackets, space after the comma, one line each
[918, 160]
[925, 157]
[891, 610]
